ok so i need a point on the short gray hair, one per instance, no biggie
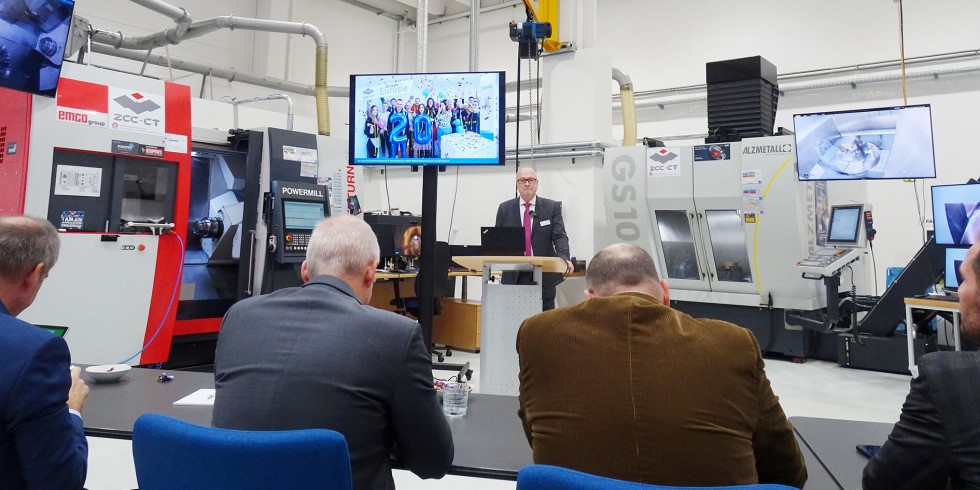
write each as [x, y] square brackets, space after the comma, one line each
[26, 241]
[618, 266]
[341, 246]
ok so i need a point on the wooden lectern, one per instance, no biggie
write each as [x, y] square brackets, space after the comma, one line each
[503, 308]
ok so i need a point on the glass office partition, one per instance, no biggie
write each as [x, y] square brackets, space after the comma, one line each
[728, 246]
[678, 245]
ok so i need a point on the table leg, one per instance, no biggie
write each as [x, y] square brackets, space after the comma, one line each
[956, 330]
[910, 335]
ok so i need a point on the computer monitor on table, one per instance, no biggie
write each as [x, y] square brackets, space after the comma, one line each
[954, 257]
[502, 240]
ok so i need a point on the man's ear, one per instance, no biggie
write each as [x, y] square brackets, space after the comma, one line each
[370, 271]
[304, 272]
[589, 294]
[35, 277]
[666, 288]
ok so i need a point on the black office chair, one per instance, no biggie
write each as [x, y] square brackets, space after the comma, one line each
[443, 287]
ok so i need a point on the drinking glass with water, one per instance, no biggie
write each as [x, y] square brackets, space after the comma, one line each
[455, 397]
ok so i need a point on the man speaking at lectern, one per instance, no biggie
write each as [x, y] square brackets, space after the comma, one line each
[544, 232]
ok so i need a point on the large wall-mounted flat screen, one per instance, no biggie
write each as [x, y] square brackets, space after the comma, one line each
[956, 214]
[882, 143]
[427, 119]
[33, 34]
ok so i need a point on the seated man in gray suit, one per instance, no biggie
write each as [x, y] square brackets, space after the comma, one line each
[317, 356]
[936, 442]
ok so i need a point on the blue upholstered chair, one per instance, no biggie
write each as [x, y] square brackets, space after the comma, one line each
[171, 453]
[545, 477]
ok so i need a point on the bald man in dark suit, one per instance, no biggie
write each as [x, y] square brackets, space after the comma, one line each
[547, 236]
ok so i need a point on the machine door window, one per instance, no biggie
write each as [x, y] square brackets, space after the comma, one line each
[147, 190]
[680, 256]
[728, 246]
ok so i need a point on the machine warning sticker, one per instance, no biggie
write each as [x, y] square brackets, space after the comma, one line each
[78, 181]
[663, 162]
[298, 154]
[120, 147]
[151, 151]
[72, 220]
[704, 153]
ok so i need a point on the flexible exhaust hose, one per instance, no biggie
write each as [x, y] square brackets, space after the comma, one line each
[320, 93]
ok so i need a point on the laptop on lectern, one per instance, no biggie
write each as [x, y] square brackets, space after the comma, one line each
[502, 240]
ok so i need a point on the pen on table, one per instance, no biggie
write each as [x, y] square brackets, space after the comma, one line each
[211, 396]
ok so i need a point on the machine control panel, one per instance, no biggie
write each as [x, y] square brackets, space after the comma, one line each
[297, 241]
[296, 209]
[827, 261]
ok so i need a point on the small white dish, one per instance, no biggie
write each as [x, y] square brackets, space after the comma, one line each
[108, 373]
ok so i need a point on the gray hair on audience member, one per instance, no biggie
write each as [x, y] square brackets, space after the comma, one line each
[26, 241]
[618, 266]
[341, 246]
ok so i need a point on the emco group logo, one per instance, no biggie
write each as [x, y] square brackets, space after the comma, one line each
[136, 111]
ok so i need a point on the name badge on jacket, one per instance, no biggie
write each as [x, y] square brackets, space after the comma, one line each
[546, 222]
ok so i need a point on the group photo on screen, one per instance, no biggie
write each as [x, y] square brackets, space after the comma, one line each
[419, 119]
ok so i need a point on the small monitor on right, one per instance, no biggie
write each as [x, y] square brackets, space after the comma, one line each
[880, 143]
[845, 226]
[954, 257]
[956, 214]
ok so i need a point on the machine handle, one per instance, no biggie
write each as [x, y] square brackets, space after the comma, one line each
[251, 263]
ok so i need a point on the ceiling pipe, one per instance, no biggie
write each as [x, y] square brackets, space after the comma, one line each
[196, 29]
[224, 73]
[178, 14]
[474, 35]
[289, 107]
[421, 35]
[628, 106]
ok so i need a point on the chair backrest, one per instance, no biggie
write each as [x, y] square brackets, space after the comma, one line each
[170, 453]
[545, 477]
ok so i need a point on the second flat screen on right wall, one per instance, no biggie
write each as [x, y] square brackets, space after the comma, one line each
[880, 143]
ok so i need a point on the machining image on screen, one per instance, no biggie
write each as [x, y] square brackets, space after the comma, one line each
[887, 143]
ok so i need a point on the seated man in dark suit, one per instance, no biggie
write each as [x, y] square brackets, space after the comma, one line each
[42, 441]
[623, 386]
[936, 442]
[317, 356]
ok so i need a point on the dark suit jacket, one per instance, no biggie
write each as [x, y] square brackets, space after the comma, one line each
[42, 445]
[937, 439]
[548, 240]
[314, 357]
[628, 388]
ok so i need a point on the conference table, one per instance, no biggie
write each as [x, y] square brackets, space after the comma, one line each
[829, 447]
[489, 439]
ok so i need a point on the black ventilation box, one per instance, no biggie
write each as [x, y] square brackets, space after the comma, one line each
[742, 98]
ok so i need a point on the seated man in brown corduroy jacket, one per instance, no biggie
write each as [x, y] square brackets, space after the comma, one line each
[623, 386]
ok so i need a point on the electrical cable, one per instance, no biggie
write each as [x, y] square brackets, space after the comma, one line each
[517, 123]
[874, 265]
[901, 50]
[452, 212]
[173, 295]
[920, 209]
[387, 194]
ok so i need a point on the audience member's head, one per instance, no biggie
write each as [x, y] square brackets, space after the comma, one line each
[344, 247]
[621, 268]
[969, 294]
[28, 250]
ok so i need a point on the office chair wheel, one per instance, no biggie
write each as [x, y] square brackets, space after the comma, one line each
[449, 353]
[440, 357]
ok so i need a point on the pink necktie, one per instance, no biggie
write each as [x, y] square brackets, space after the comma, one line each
[527, 229]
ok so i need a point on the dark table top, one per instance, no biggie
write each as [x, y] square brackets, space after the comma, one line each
[489, 439]
[831, 443]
